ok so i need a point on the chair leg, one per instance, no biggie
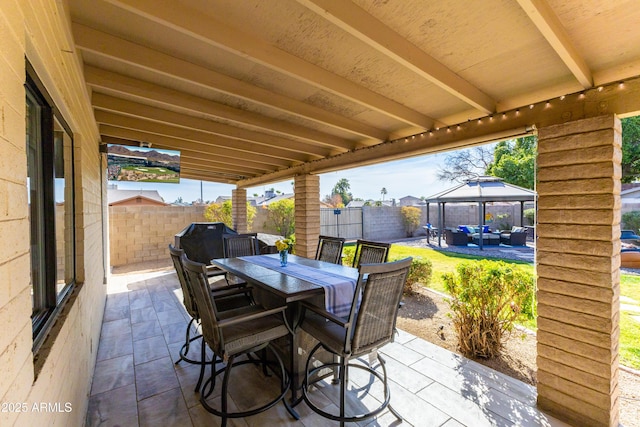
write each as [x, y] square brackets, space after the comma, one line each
[186, 342]
[386, 387]
[223, 396]
[343, 388]
[203, 355]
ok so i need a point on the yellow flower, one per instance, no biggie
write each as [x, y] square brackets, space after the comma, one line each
[283, 244]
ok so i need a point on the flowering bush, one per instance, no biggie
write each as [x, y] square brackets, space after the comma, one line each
[284, 245]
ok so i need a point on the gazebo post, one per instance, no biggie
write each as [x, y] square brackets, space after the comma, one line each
[521, 213]
[480, 225]
[440, 222]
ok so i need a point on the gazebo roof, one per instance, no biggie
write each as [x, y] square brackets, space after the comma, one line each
[483, 189]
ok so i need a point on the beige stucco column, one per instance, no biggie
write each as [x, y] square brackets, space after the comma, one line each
[239, 210]
[307, 200]
[578, 267]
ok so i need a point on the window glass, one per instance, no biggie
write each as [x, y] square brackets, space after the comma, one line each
[50, 185]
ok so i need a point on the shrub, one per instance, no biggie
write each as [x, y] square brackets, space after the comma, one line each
[410, 219]
[281, 215]
[348, 254]
[419, 273]
[631, 221]
[486, 299]
[530, 216]
[222, 212]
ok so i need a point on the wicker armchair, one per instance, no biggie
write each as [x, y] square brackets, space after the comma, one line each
[368, 252]
[370, 325]
[227, 298]
[330, 249]
[234, 333]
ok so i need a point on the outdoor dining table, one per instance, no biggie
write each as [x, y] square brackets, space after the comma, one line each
[301, 279]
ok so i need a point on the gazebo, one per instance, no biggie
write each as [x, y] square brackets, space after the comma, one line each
[481, 190]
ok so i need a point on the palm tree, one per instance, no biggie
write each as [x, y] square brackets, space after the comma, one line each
[383, 192]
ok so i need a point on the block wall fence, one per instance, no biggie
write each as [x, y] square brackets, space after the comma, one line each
[143, 233]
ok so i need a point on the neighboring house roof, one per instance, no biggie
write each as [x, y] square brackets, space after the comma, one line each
[116, 197]
[267, 202]
[411, 201]
[631, 192]
[356, 204]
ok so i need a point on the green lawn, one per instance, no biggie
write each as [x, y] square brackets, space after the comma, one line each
[444, 262]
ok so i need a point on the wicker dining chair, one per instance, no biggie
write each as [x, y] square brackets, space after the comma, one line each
[225, 299]
[368, 252]
[237, 245]
[250, 329]
[330, 249]
[370, 325]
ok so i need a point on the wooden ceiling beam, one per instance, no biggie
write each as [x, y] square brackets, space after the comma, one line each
[547, 22]
[119, 120]
[216, 32]
[357, 22]
[618, 99]
[102, 80]
[114, 48]
[209, 176]
[148, 112]
[191, 158]
[229, 156]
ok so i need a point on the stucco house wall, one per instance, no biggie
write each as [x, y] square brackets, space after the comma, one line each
[39, 31]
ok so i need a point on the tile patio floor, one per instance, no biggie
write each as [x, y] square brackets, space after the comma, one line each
[137, 384]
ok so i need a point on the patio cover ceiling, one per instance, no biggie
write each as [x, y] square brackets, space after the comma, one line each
[255, 91]
[483, 189]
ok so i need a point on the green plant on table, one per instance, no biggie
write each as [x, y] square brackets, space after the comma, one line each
[487, 297]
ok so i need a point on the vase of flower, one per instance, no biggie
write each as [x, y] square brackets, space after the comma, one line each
[284, 246]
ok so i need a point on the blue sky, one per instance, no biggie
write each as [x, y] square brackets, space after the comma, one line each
[415, 177]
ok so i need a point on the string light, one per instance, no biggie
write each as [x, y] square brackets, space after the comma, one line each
[505, 114]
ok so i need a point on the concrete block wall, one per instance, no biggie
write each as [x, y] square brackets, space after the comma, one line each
[382, 223]
[578, 260]
[143, 233]
[62, 370]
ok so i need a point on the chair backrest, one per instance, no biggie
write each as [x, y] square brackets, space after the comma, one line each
[197, 275]
[187, 292]
[330, 249]
[373, 323]
[368, 252]
[236, 245]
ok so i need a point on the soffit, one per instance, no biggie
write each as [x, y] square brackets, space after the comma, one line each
[316, 85]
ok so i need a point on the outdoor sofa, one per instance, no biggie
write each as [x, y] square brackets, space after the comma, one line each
[517, 236]
[455, 237]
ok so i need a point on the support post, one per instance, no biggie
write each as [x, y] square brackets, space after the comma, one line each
[307, 214]
[578, 268]
[239, 210]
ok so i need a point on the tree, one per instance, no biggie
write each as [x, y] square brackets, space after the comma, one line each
[410, 219]
[281, 215]
[630, 149]
[383, 192]
[514, 161]
[179, 200]
[342, 188]
[222, 212]
[463, 165]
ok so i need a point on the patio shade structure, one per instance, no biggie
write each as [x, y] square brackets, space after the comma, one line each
[257, 92]
[479, 190]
